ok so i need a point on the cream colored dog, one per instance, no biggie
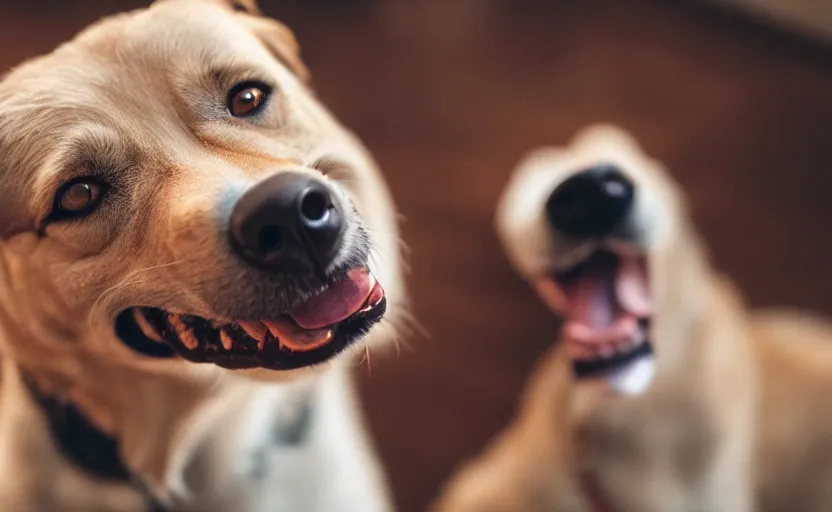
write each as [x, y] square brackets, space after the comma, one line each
[664, 393]
[191, 250]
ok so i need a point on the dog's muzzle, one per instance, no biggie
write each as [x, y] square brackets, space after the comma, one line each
[290, 225]
[605, 297]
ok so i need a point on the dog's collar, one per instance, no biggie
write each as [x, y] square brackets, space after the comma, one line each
[83, 444]
[97, 454]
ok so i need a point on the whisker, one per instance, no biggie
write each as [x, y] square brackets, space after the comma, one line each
[132, 278]
[369, 361]
[106, 294]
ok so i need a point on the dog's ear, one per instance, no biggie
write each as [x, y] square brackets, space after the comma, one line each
[246, 6]
[281, 42]
[276, 36]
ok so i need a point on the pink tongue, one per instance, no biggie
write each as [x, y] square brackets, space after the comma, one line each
[632, 290]
[591, 297]
[336, 304]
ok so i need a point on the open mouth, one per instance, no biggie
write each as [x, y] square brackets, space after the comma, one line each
[607, 305]
[312, 333]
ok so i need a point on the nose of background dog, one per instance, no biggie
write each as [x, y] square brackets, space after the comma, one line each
[590, 203]
[288, 223]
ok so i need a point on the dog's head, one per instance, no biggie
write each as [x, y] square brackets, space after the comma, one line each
[175, 192]
[598, 228]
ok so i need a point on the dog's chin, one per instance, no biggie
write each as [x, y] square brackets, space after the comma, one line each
[607, 305]
[309, 335]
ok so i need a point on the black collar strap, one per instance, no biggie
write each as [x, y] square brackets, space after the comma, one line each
[82, 444]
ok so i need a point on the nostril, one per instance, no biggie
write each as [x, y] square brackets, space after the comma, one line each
[270, 240]
[315, 206]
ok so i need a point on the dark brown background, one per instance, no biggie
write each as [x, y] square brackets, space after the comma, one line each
[449, 94]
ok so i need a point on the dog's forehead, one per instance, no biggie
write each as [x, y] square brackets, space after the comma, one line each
[123, 72]
[583, 154]
[171, 36]
[171, 32]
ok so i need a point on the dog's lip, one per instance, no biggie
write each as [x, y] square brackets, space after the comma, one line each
[606, 301]
[280, 343]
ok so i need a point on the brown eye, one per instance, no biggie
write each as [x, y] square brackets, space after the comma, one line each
[247, 99]
[78, 198]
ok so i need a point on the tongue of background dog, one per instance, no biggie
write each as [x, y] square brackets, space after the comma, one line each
[340, 301]
[604, 305]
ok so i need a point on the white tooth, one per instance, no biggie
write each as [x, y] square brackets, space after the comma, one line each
[276, 327]
[185, 335]
[226, 340]
[147, 329]
[254, 329]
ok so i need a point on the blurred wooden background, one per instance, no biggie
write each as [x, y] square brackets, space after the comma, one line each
[449, 94]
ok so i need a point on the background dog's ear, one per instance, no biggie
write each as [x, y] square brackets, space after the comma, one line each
[281, 43]
[246, 6]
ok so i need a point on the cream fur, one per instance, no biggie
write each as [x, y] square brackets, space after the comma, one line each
[736, 418]
[143, 93]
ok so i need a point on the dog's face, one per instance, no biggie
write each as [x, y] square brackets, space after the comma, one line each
[175, 192]
[597, 228]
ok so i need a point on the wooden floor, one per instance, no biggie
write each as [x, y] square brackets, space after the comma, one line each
[450, 94]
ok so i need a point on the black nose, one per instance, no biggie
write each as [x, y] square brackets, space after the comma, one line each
[591, 203]
[287, 223]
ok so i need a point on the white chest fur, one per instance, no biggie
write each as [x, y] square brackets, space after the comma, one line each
[293, 452]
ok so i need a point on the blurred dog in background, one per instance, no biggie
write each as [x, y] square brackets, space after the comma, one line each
[664, 393]
[193, 250]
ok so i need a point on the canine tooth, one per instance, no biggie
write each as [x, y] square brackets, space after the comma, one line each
[147, 329]
[185, 335]
[227, 342]
[254, 329]
[274, 328]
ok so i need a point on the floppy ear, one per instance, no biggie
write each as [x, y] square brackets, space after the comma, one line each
[246, 6]
[281, 43]
[276, 36]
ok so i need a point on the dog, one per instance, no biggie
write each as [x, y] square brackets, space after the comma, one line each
[193, 253]
[664, 393]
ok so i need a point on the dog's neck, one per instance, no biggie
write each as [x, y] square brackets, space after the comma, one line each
[161, 421]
